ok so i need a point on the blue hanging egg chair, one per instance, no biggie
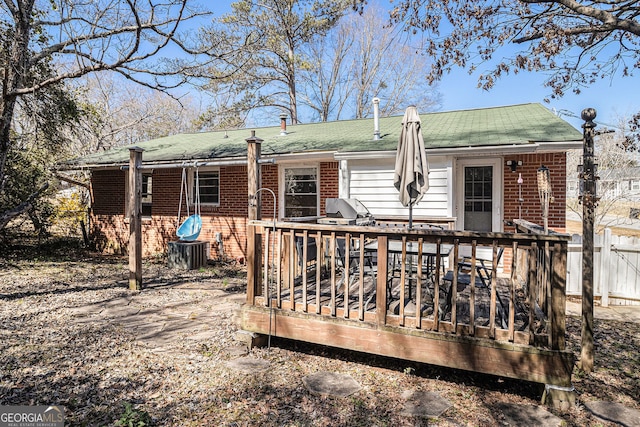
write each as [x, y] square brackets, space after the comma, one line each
[190, 229]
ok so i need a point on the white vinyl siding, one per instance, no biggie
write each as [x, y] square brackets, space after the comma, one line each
[371, 182]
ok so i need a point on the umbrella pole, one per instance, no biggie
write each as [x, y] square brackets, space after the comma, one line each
[410, 216]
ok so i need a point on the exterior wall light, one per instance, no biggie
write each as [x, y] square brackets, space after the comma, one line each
[513, 164]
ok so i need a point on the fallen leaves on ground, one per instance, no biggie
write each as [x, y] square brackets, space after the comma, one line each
[95, 366]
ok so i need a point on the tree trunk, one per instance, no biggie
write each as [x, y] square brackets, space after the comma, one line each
[13, 77]
[293, 103]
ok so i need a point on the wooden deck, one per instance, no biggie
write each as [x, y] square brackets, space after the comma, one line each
[342, 286]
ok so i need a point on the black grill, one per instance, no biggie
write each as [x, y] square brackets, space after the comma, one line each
[346, 212]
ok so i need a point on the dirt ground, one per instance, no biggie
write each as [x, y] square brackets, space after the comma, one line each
[103, 373]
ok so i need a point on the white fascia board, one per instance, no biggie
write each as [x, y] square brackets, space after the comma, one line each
[307, 156]
[369, 155]
[535, 147]
[559, 146]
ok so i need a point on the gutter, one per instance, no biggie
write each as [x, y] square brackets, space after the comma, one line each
[265, 159]
[150, 166]
[534, 147]
[196, 163]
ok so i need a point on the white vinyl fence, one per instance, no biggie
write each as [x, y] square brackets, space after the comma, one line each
[616, 270]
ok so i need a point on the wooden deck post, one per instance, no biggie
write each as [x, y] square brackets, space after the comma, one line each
[558, 296]
[254, 240]
[135, 218]
[381, 285]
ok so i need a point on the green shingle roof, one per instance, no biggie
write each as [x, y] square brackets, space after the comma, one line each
[510, 125]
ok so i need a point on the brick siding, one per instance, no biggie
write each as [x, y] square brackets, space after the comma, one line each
[531, 208]
[110, 229]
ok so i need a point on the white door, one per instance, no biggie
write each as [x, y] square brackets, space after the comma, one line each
[479, 194]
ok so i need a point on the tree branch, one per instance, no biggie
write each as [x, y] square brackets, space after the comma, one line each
[609, 20]
[23, 207]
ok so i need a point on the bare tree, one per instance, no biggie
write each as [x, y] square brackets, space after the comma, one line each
[47, 43]
[323, 75]
[618, 169]
[575, 42]
[119, 112]
[263, 40]
[365, 57]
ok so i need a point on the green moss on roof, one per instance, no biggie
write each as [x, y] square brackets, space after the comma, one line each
[510, 125]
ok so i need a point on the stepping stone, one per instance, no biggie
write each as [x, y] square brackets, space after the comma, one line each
[101, 306]
[120, 311]
[528, 415]
[424, 404]
[236, 350]
[204, 335]
[615, 412]
[331, 384]
[151, 336]
[248, 364]
[409, 308]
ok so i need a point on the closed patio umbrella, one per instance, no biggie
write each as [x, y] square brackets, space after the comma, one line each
[411, 177]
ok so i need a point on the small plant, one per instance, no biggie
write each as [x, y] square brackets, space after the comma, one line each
[409, 370]
[133, 417]
[359, 403]
[68, 213]
[205, 350]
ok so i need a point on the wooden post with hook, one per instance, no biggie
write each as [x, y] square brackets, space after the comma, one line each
[135, 218]
[254, 240]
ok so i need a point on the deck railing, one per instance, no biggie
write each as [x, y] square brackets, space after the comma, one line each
[496, 286]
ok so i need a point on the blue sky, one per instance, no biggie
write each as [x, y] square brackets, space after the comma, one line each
[612, 98]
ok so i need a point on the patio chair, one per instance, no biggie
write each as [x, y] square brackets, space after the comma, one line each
[427, 264]
[354, 266]
[312, 253]
[483, 266]
[483, 277]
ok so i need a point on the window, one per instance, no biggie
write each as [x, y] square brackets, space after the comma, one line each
[146, 196]
[209, 183]
[300, 192]
[147, 192]
[634, 185]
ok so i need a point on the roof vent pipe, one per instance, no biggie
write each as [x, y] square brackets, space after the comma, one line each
[376, 118]
[283, 124]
